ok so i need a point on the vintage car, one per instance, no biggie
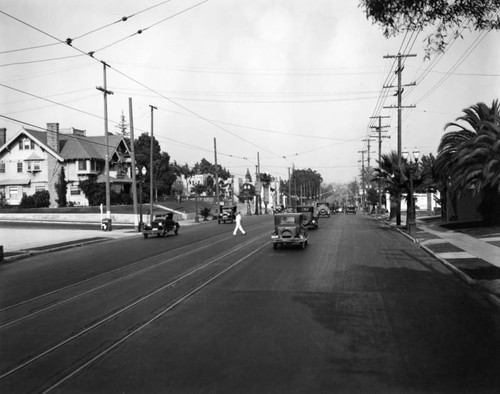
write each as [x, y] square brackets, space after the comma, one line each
[227, 214]
[323, 209]
[310, 219]
[289, 230]
[279, 209]
[161, 225]
[350, 209]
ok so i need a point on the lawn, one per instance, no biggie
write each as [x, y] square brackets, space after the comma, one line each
[187, 206]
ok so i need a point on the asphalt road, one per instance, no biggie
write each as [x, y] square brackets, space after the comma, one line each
[360, 310]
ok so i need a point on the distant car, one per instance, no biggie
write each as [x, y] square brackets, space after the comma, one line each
[289, 230]
[161, 225]
[278, 209]
[227, 214]
[311, 220]
[350, 209]
[323, 209]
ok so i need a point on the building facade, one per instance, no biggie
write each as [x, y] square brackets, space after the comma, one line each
[31, 161]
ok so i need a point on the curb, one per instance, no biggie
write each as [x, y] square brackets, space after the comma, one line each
[28, 253]
[493, 298]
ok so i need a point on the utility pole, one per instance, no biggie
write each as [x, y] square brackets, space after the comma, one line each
[399, 107]
[362, 177]
[289, 189]
[132, 159]
[151, 171]
[217, 210]
[105, 92]
[379, 130]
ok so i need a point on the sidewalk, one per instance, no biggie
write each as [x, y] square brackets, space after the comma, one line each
[22, 242]
[471, 253]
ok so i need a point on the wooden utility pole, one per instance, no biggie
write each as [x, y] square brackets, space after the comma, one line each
[151, 165]
[133, 164]
[379, 136]
[363, 178]
[217, 210]
[400, 106]
[105, 92]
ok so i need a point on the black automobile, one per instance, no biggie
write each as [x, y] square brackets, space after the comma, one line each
[311, 220]
[350, 209]
[289, 230]
[323, 209]
[227, 214]
[161, 225]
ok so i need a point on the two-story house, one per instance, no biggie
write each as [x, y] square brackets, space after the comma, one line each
[31, 161]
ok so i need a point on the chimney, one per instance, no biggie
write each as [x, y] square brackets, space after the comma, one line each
[53, 136]
[3, 136]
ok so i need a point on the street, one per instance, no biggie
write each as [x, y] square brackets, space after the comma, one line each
[360, 310]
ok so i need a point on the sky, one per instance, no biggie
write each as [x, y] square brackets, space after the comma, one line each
[280, 83]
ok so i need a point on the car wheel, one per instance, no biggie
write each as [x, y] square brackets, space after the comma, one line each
[176, 231]
[145, 236]
[275, 246]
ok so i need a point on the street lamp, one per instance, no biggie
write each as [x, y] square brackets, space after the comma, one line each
[413, 167]
[143, 171]
[246, 188]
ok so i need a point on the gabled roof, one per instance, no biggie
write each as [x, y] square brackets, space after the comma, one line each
[72, 147]
[38, 136]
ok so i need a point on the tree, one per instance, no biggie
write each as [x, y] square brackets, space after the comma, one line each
[205, 167]
[265, 180]
[62, 189]
[123, 126]
[469, 157]
[163, 174]
[306, 183]
[397, 16]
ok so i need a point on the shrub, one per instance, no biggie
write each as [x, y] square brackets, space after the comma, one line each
[42, 199]
[27, 202]
[205, 213]
[62, 189]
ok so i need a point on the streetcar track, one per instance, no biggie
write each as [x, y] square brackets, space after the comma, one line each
[153, 319]
[121, 268]
[52, 305]
[136, 302]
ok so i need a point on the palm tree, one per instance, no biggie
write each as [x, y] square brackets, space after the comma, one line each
[468, 157]
[391, 176]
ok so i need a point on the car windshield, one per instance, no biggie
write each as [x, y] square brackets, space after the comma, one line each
[287, 220]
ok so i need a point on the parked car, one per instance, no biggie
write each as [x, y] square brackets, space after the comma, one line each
[289, 230]
[311, 220]
[227, 214]
[161, 225]
[323, 209]
[350, 209]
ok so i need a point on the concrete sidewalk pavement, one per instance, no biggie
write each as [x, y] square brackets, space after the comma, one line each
[475, 258]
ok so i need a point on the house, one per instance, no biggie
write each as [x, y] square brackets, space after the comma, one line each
[32, 160]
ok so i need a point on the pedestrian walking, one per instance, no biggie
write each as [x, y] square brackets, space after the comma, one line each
[238, 224]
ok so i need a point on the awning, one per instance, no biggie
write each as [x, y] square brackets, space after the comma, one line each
[14, 182]
[34, 157]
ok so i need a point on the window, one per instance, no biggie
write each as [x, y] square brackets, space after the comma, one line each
[82, 165]
[32, 144]
[19, 166]
[2, 167]
[13, 193]
[33, 166]
[39, 188]
[27, 144]
[20, 144]
[74, 190]
[93, 165]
